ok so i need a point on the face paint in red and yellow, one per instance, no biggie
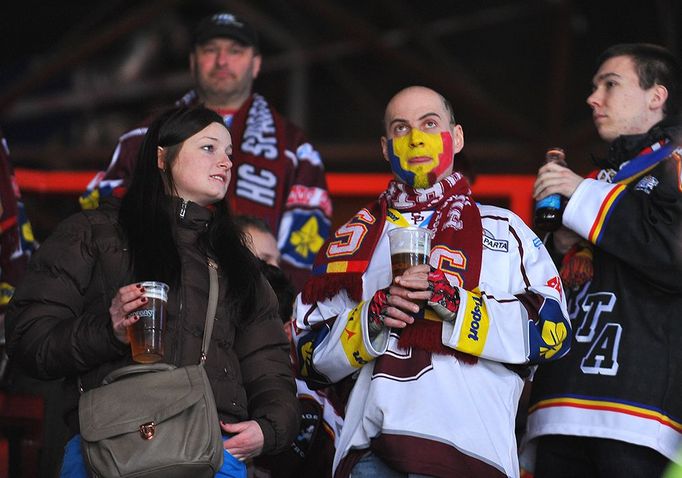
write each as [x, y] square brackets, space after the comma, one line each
[419, 159]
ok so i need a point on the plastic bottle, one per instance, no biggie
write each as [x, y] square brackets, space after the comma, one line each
[549, 210]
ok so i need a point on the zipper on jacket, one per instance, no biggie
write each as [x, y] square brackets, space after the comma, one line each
[181, 293]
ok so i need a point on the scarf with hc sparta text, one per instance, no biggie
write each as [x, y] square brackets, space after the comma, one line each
[257, 187]
[456, 249]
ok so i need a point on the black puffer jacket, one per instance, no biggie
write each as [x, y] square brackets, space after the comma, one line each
[58, 323]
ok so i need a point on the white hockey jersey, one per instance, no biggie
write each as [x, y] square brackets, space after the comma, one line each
[433, 414]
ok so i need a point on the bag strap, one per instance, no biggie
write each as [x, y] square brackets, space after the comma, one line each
[210, 310]
[135, 369]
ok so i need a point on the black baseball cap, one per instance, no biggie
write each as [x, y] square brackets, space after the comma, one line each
[225, 24]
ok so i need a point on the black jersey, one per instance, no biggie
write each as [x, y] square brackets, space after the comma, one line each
[622, 378]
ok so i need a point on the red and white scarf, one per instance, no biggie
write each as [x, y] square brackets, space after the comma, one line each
[456, 224]
[259, 140]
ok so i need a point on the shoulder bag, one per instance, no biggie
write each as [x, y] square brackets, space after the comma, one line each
[154, 420]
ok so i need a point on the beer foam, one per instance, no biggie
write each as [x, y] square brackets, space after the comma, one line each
[155, 290]
[410, 249]
[410, 240]
[156, 295]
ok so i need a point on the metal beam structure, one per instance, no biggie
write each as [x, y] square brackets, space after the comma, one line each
[312, 39]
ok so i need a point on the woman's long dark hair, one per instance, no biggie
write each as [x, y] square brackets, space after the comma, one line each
[146, 212]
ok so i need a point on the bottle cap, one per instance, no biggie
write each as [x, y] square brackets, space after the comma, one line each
[555, 154]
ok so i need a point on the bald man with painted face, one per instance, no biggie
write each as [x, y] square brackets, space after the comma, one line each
[420, 144]
[438, 355]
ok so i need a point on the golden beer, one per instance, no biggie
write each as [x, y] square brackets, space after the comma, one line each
[409, 246]
[146, 335]
[402, 261]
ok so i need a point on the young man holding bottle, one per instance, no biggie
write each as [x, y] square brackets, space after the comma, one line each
[612, 406]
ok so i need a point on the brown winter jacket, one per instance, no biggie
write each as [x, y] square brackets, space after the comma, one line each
[58, 323]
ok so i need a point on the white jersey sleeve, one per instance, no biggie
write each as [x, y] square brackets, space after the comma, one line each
[518, 313]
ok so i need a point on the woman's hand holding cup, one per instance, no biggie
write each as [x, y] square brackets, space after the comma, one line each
[138, 314]
[127, 299]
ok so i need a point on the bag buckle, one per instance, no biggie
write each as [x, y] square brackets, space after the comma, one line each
[147, 430]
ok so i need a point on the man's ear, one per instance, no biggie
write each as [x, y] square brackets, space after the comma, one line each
[384, 148]
[161, 158]
[257, 59]
[658, 97]
[457, 139]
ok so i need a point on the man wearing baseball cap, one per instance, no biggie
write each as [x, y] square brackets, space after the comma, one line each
[225, 25]
[277, 174]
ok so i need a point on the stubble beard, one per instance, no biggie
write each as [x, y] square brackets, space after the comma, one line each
[231, 95]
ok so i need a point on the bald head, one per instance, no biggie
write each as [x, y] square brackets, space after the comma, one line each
[417, 94]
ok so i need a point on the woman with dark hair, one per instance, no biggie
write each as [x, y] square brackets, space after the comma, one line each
[69, 316]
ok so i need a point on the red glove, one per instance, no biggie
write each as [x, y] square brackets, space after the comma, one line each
[576, 266]
[375, 311]
[445, 298]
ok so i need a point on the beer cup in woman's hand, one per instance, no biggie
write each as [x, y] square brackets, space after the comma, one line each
[146, 334]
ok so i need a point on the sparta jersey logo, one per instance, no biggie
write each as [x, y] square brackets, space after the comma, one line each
[498, 245]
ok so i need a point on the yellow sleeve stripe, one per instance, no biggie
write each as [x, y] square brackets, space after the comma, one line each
[475, 325]
[352, 341]
[604, 213]
[394, 216]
